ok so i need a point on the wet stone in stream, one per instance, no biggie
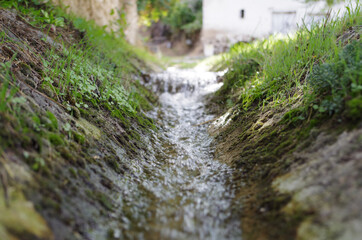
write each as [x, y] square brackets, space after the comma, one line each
[181, 192]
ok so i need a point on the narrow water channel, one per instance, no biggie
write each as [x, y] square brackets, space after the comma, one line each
[182, 192]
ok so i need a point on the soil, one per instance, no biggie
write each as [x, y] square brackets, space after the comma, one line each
[58, 182]
[301, 181]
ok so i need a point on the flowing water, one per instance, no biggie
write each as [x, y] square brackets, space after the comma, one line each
[181, 191]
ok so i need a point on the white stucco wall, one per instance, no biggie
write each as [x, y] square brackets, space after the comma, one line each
[222, 19]
[225, 16]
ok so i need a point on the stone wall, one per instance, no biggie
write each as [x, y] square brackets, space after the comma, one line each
[100, 11]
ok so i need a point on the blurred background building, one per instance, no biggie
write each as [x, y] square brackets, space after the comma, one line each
[229, 21]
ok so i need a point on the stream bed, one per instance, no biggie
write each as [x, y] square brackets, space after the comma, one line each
[178, 191]
[194, 192]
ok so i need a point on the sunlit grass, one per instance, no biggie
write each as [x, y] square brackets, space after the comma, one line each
[98, 70]
[277, 70]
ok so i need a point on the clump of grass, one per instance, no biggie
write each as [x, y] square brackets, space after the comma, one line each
[310, 65]
[53, 121]
[79, 138]
[10, 101]
[6, 91]
[79, 78]
[41, 14]
[98, 70]
[55, 139]
[334, 81]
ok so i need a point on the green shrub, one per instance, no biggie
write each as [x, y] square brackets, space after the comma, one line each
[242, 70]
[42, 14]
[333, 80]
[310, 66]
[185, 16]
[95, 70]
[354, 108]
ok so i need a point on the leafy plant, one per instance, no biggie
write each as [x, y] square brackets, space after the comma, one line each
[185, 15]
[40, 12]
[335, 80]
[7, 92]
[310, 65]
[38, 163]
[95, 71]
[53, 121]
[49, 18]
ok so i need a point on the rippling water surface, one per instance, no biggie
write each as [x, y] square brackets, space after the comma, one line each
[180, 192]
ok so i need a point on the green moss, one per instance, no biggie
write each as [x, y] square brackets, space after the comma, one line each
[103, 199]
[81, 162]
[294, 116]
[89, 129]
[38, 163]
[79, 138]
[75, 112]
[83, 112]
[112, 162]
[73, 172]
[25, 68]
[118, 114]
[83, 173]
[53, 121]
[47, 90]
[314, 122]
[55, 139]
[26, 141]
[146, 122]
[354, 108]
[49, 203]
[136, 136]
[66, 154]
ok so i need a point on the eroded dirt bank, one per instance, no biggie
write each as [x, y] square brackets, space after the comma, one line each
[63, 166]
[296, 181]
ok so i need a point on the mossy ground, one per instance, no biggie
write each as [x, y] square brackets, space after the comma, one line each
[263, 146]
[65, 142]
[284, 114]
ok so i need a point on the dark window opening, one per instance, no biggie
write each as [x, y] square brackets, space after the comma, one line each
[242, 13]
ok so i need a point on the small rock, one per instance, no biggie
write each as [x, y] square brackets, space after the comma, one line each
[117, 234]
[75, 112]
[25, 69]
[30, 82]
[47, 91]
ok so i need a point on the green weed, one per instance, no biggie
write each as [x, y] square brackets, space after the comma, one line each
[53, 124]
[41, 14]
[55, 139]
[310, 65]
[332, 81]
[7, 92]
[97, 70]
[354, 107]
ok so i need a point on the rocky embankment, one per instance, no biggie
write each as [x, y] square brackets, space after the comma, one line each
[297, 181]
[62, 166]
